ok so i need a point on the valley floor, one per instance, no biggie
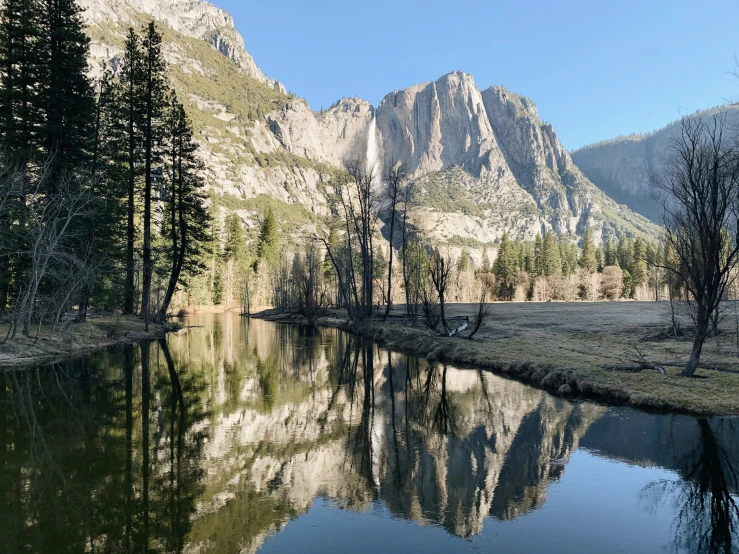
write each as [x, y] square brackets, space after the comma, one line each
[75, 339]
[566, 348]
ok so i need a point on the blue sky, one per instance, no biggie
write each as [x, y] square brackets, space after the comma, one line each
[596, 69]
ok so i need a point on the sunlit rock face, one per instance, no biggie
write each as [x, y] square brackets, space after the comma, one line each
[488, 149]
[491, 149]
[192, 18]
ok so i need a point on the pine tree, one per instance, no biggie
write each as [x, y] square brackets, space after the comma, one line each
[21, 116]
[551, 262]
[130, 105]
[611, 254]
[235, 241]
[67, 94]
[588, 260]
[504, 268]
[639, 271]
[155, 100]
[625, 251]
[538, 256]
[485, 266]
[268, 246]
[23, 61]
[464, 262]
[187, 215]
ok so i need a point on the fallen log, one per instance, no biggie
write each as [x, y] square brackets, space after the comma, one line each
[636, 368]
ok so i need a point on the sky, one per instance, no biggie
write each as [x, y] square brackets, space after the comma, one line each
[596, 69]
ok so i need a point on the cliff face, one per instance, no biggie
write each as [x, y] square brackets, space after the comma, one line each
[622, 167]
[484, 161]
[488, 158]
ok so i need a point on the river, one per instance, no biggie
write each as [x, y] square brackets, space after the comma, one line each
[238, 436]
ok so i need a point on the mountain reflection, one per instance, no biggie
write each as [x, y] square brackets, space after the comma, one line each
[214, 440]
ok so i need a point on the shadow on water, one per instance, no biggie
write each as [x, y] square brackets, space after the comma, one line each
[706, 511]
[213, 440]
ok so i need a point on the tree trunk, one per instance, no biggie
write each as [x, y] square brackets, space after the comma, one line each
[130, 223]
[695, 354]
[148, 153]
[390, 264]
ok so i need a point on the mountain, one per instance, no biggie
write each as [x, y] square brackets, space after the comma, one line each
[622, 167]
[487, 156]
[483, 161]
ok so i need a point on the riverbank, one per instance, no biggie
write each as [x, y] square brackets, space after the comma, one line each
[76, 339]
[565, 348]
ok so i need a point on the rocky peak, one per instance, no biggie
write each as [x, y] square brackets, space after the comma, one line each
[192, 18]
[437, 125]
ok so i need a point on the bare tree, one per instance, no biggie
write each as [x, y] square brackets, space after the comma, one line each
[483, 308]
[440, 271]
[395, 174]
[411, 263]
[701, 183]
[358, 204]
[50, 219]
[311, 286]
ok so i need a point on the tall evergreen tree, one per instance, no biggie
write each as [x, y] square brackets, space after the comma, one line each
[67, 95]
[21, 115]
[551, 261]
[130, 82]
[268, 246]
[588, 260]
[188, 218]
[485, 266]
[504, 268]
[538, 256]
[639, 265]
[611, 254]
[155, 100]
[23, 64]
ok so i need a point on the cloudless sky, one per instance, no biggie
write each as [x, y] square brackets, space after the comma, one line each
[595, 68]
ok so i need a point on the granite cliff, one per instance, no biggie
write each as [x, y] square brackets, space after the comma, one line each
[484, 161]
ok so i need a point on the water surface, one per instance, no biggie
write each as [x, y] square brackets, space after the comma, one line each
[248, 436]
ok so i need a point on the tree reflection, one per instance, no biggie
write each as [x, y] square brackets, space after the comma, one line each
[707, 512]
[83, 469]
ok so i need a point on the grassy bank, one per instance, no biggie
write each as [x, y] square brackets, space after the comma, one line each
[75, 339]
[566, 347]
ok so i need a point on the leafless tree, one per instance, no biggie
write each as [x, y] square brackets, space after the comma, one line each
[358, 203]
[395, 175]
[50, 219]
[311, 286]
[430, 305]
[483, 308]
[440, 271]
[701, 182]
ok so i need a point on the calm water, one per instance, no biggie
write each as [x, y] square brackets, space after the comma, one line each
[241, 436]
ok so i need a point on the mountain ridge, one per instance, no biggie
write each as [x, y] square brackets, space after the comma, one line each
[622, 167]
[260, 142]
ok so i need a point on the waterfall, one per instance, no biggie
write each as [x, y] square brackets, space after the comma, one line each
[372, 161]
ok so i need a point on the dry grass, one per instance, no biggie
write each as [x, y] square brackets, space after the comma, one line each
[563, 347]
[74, 339]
